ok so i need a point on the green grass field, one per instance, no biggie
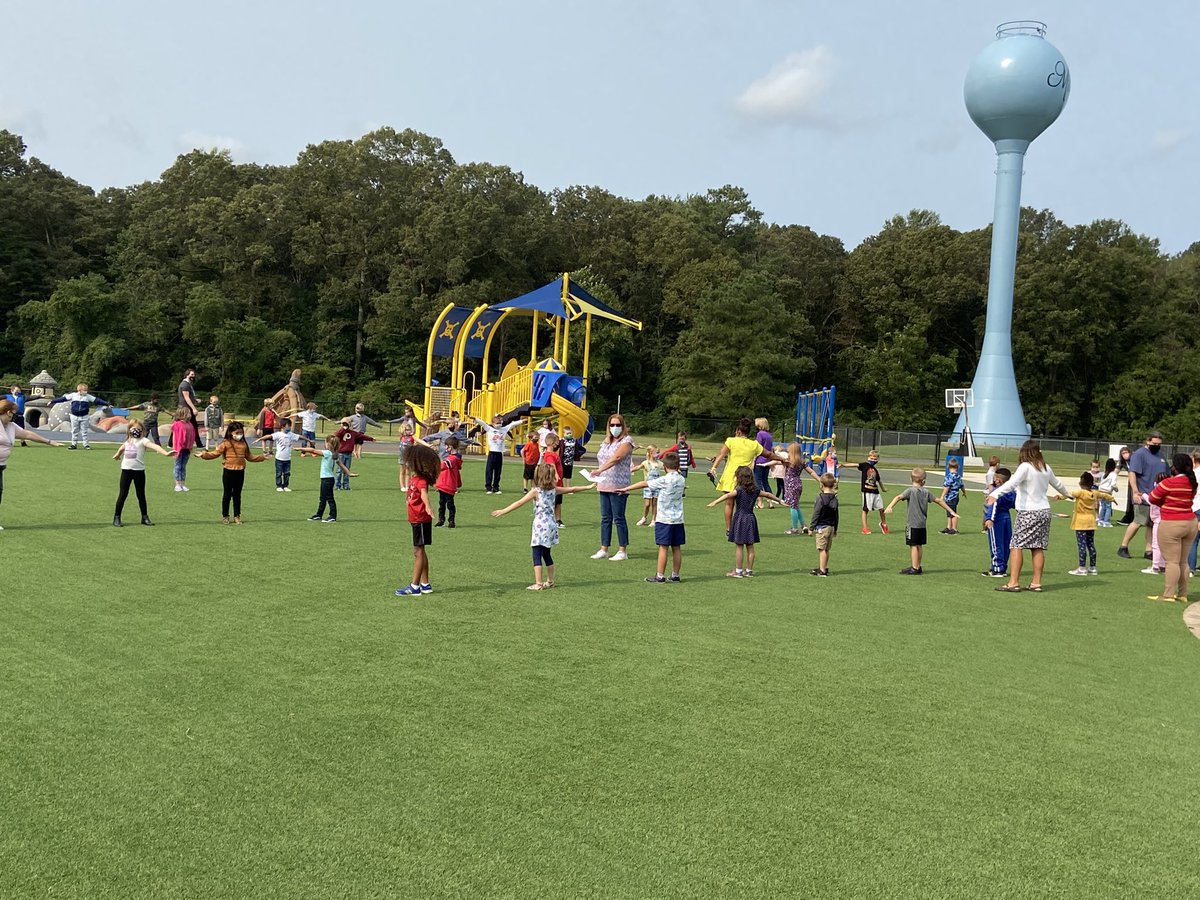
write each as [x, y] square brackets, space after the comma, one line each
[198, 710]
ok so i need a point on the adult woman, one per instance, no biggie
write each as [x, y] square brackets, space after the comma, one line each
[1032, 529]
[762, 462]
[10, 433]
[615, 458]
[1177, 527]
[739, 450]
[1123, 466]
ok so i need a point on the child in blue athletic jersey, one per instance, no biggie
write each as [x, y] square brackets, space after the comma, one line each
[998, 523]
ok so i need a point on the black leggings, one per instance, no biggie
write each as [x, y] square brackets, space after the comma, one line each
[327, 498]
[232, 480]
[541, 556]
[138, 480]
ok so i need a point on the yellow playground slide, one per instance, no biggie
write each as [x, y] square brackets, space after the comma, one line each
[570, 415]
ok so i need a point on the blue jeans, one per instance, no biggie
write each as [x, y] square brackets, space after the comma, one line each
[283, 472]
[340, 478]
[1105, 511]
[612, 510]
[181, 462]
[761, 479]
[1192, 552]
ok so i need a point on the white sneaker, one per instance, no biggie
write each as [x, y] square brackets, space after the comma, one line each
[618, 556]
[184, 488]
[600, 554]
[1092, 571]
[1150, 570]
[178, 488]
[279, 490]
[1079, 571]
[287, 490]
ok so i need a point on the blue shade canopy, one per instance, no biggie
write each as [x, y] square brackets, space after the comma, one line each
[447, 334]
[548, 299]
[477, 335]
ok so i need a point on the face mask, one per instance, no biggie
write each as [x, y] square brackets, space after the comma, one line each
[1154, 448]
[135, 432]
[237, 437]
[614, 430]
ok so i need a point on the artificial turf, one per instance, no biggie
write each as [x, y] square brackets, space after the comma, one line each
[198, 710]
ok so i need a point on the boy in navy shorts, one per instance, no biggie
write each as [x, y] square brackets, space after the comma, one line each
[668, 523]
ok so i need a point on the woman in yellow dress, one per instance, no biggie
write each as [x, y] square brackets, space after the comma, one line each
[739, 450]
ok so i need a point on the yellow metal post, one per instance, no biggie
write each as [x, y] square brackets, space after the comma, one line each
[533, 343]
[587, 346]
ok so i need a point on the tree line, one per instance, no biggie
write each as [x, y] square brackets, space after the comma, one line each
[340, 262]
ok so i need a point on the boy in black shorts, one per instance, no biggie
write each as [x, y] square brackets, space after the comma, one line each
[918, 500]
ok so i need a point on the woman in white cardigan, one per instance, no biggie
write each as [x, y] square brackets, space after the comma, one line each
[1032, 482]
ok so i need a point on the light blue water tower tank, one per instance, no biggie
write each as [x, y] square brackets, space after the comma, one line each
[1014, 91]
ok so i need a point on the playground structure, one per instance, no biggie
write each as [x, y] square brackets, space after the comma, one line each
[814, 427]
[538, 388]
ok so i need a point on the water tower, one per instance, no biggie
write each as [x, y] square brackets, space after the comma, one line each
[1014, 91]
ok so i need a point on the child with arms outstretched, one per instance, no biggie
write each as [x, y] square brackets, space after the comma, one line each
[544, 492]
[132, 454]
[918, 498]
[743, 526]
[329, 462]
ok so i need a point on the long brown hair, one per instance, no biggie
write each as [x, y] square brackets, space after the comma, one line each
[1031, 452]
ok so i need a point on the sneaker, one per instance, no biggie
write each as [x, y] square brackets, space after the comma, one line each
[279, 490]
[1147, 555]
[178, 488]
[866, 531]
[497, 491]
[87, 446]
[1150, 570]
[618, 556]
[71, 447]
[673, 578]
[1078, 571]
[747, 573]
[329, 520]
[1123, 552]
[286, 490]
[885, 529]
[951, 531]
[600, 554]
[820, 573]
[945, 531]
[487, 492]
[439, 524]
[314, 518]
[412, 590]
[427, 588]
[1092, 570]
[184, 488]
[997, 574]
[657, 579]
[911, 571]
[562, 524]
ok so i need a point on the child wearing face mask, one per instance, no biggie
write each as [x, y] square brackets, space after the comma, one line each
[236, 453]
[132, 454]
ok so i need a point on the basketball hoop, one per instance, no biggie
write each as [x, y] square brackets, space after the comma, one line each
[960, 400]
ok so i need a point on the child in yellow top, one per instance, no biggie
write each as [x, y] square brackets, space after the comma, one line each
[1083, 522]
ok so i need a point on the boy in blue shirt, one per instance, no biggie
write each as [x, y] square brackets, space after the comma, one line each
[668, 520]
[952, 487]
[998, 522]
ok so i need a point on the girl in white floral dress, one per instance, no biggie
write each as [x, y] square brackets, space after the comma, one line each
[545, 528]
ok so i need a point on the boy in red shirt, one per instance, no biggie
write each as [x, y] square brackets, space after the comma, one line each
[449, 481]
[347, 437]
[425, 470]
[532, 455]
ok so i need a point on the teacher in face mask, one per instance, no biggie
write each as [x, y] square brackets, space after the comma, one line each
[1145, 466]
[615, 458]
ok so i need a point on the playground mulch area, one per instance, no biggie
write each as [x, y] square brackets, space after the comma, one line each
[198, 710]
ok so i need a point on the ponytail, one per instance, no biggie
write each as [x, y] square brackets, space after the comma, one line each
[1182, 464]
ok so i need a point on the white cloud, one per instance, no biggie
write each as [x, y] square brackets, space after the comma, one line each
[791, 93]
[198, 140]
[123, 131]
[20, 120]
[1166, 140]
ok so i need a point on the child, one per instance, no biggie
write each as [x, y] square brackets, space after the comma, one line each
[566, 450]
[687, 459]
[531, 455]
[497, 436]
[654, 470]
[264, 425]
[236, 453]
[214, 421]
[308, 421]
[825, 522]
[872, 489]
[550, 456]
[328, 462]
[952, 486]
[743, 527]
[406, 441]
[668, 516]
[284, 441]
[998, 525]
[448, 482]
[359, 422]
[1083, 522]
[1158, 564]
[1107, 484]
[132, 454]
[918, 499]
[544, 493]
[183, 439]
[347, 438]
[988, 480]
[543, 430]
[81, 407]
[425, 466]
[150, 419]
[794, 470]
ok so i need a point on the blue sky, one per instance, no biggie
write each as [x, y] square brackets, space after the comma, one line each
[832, 115]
